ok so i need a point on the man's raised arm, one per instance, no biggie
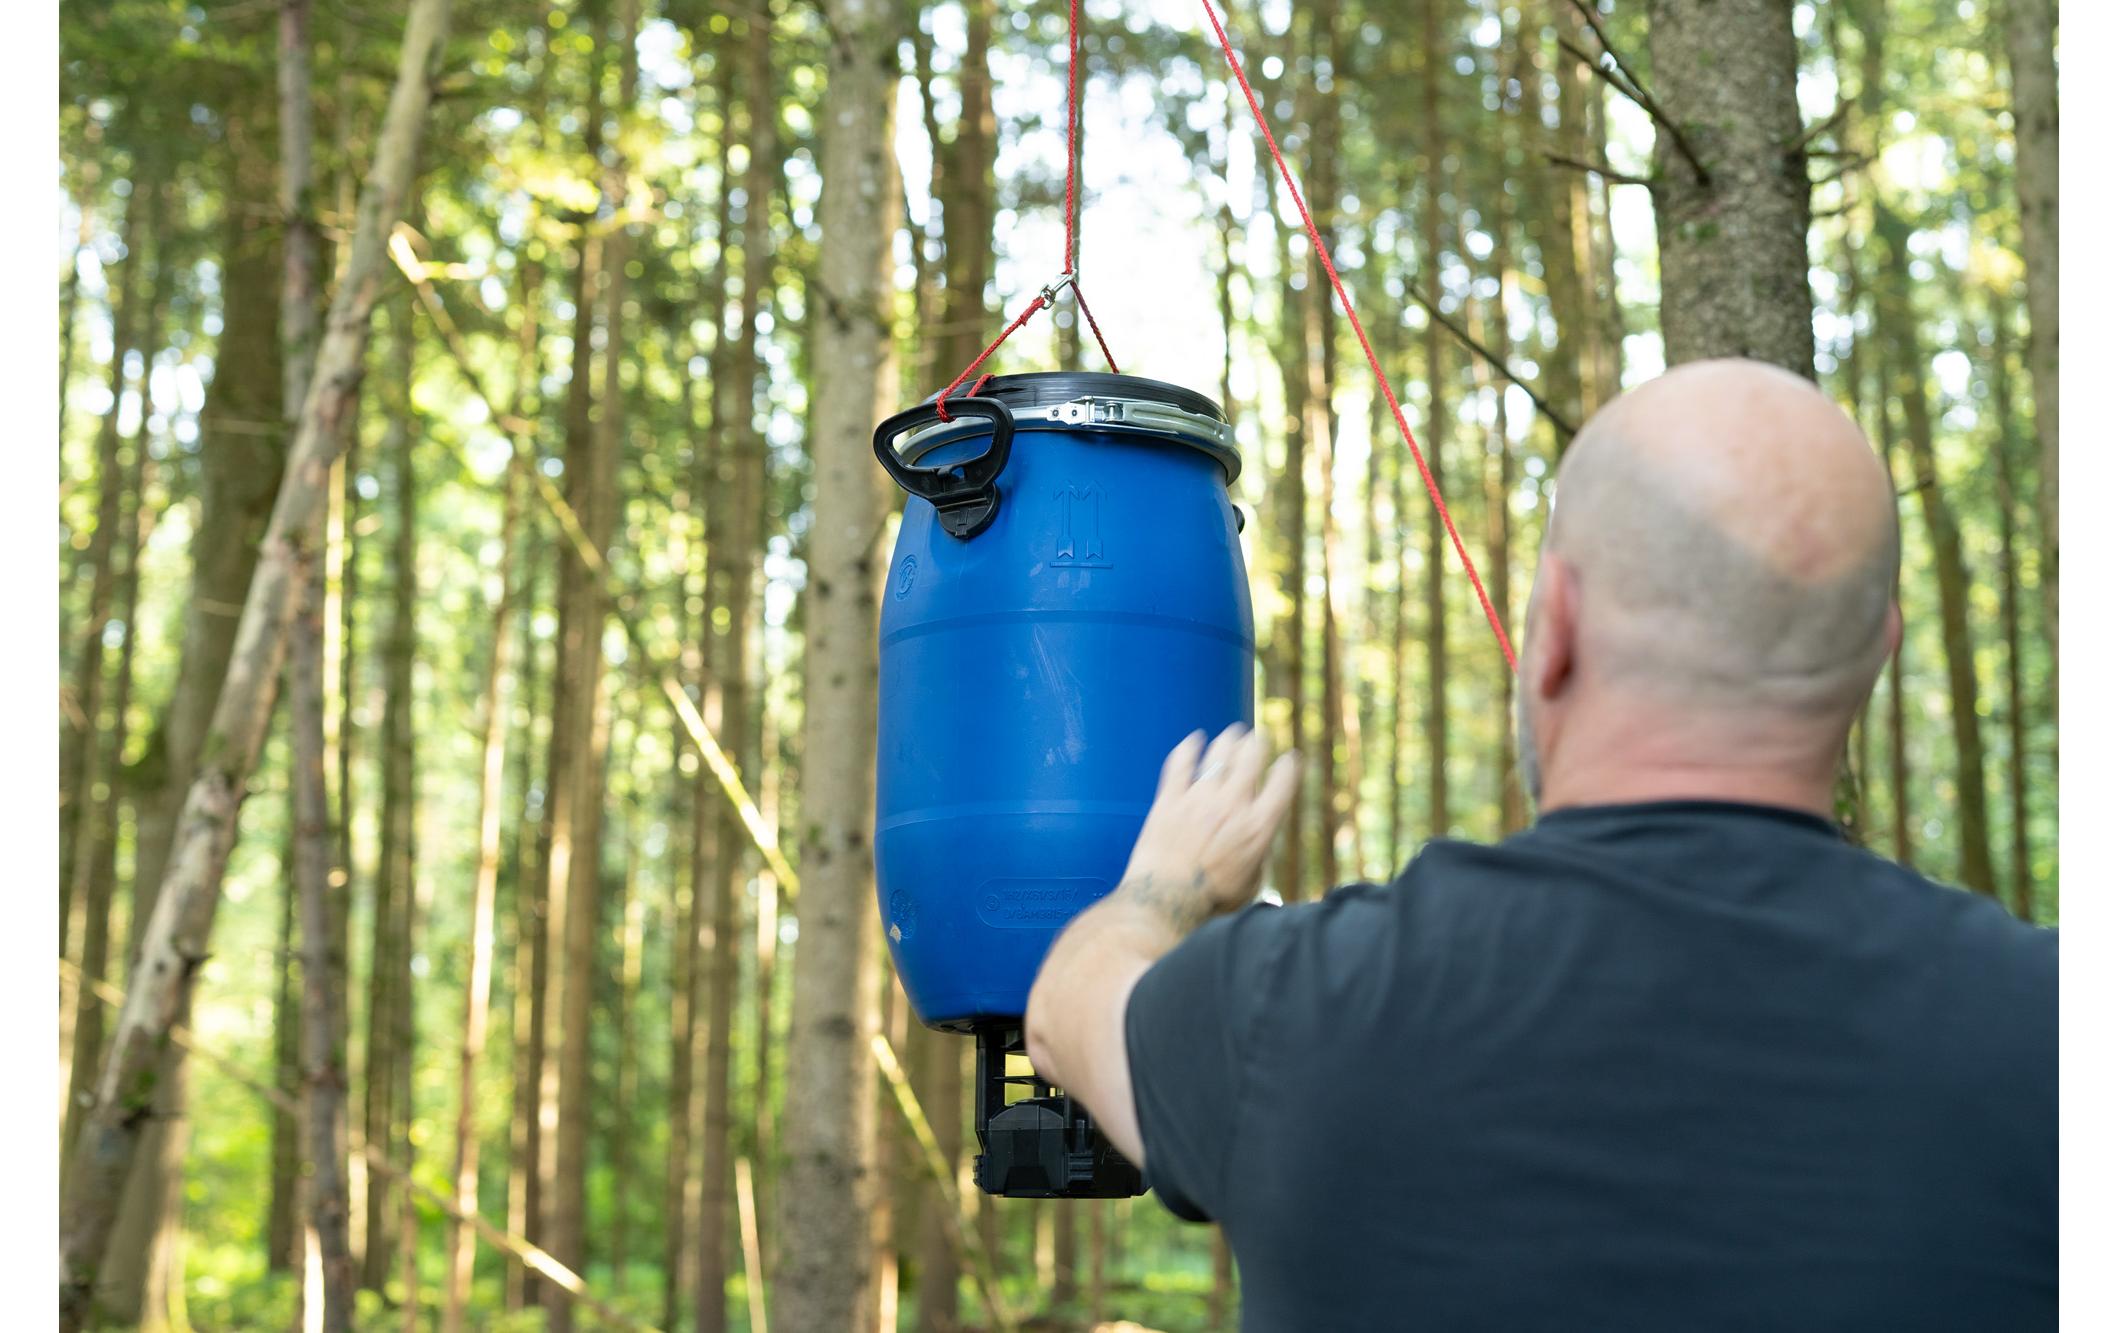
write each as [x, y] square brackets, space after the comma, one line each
[1201, 853]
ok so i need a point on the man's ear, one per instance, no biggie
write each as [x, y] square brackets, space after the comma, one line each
[1558, 621]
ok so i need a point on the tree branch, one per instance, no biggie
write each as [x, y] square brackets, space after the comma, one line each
[1630, 87]
[1603, 169]
[1566, 429]
[1823, 126]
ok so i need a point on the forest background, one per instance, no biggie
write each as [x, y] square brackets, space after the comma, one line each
[601, 492]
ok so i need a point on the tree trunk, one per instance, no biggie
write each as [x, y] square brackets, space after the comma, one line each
[1557, 217]
[1899, 332]
[576, 775]
[298, 313]
[82, 179]
[79, 770]
[1435, 150]
[477, 998]
[1287, 570]
[1731, 183]
[385, 1122]
[239, 475]
[965, 167]
[2033, 79]
[1510, 810]
[1607, 310]
[826, 1267]
[283, 1206]
[743, 484]
[1400, 650]
[2006, 451]
[524, 1197]
[1222, 1292]
[687, 893]
[180, 926]
[1336, 739]
[95, 869]
[321, 888]
[621, 1123]
[1900, 762]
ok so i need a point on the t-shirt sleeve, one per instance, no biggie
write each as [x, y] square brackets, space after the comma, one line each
[1191, 1034]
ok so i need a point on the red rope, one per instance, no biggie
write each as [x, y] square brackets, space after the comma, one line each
[1441, 506]
[1073, 118]
[1082, 301]
[1067, 275]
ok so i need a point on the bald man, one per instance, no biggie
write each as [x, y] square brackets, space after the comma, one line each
[1678, 1057]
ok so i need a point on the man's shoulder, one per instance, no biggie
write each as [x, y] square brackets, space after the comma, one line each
[1955, 919]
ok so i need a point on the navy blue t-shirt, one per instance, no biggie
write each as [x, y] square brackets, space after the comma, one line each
[1681, 1066]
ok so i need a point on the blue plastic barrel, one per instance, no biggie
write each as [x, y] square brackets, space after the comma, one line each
[1066, 601]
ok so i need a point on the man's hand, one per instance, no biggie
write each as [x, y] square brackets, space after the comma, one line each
[1202, 850]
[1201, 853]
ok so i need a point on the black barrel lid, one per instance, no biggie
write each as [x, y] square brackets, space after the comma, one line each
[1051, 388]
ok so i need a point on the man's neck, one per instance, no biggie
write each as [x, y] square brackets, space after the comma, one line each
[1631, 761]
[1633, 786]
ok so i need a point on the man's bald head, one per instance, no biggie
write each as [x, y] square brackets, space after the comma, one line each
[1730, 542]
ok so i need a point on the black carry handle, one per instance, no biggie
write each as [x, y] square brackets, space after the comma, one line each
[965, 495]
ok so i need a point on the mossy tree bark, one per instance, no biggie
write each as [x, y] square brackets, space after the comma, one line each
[1731, 183]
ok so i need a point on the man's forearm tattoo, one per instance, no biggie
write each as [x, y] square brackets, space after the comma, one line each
[1185, 907]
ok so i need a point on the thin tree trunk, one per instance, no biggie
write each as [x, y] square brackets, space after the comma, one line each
[687, 891]
[1732, 184]
[95, 869]
[283, 1206]
[1222, 1292]
[386, 1122]
[86, 175]
[1435, 150]
[1607, 310]
[1098, 1225]
[1557, 216]
[577, 768]
[715, 471]
[826, 1268]
[322, 890]
[1400, 690]
[1066, 1259]
[1900, 333]
[742, 542]
[2033, 80]
[1287, 569]
[477, 998]
[299, 314]
[528, 982]
[180, 927]
[1900, 762]
[1336, 738]
[1509, 809]
[965, 182]
[595, 423]
[2006, 452]
[621, 1125]
[79, 770]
